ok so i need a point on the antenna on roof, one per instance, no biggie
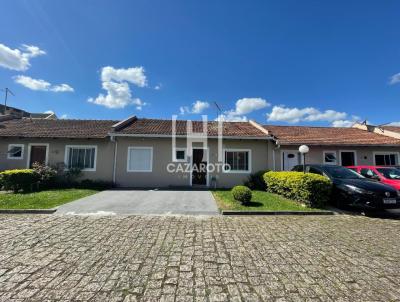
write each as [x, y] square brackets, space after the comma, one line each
[218, 110]
[6, 92]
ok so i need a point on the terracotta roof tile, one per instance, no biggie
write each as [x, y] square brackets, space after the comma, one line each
[55, 128]
[296, 135]
[164, 127]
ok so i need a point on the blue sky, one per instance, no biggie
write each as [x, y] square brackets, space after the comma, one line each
[279, 62]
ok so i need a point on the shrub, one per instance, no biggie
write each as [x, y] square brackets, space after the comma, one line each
[72, 174]
[241, 193]
[255, 181]
[47, 175]
[311, 189]
[16, 180]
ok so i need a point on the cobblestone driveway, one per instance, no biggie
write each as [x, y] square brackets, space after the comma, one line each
[116, 258]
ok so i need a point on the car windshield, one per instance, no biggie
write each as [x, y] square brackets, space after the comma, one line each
[342, 173]
[390, 173]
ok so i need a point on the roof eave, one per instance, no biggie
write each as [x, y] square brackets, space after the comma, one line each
[186, 136]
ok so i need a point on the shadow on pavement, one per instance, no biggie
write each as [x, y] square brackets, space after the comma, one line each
[383, 214]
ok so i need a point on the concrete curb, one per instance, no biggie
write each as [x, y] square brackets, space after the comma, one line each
[27, 211]
[271, 213]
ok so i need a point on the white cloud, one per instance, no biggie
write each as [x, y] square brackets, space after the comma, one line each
[308, 114]
[231, 118]
[18, 59]
[395, 79]
[394, 124]
[134, 75]
[158, 87]
[41, 85]
[118, 96]
[62, 88]
[247, 105]
[244, 106]
[343, 123]
[311, 114]
[115, 82]
[64, 116]
[49, 112]
[33, 84]
[328, 115]
[197, 108]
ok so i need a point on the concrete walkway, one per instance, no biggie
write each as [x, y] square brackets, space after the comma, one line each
[161, 202]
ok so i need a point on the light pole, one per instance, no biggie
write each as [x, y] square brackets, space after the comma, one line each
[304, 149]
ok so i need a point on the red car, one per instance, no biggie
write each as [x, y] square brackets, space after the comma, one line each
[384, 174]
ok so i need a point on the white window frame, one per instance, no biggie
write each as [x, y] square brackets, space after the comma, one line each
[47, 145]
[355, 156]
[323, 157]
[140, 148]
[180, 160]
[10, 146]
[250, 163]
[68, 147]
[387, 153]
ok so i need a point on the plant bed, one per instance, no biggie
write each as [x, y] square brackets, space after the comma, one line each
[41, 200]
[261, 202]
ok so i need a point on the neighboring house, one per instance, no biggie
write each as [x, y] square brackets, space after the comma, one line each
[144, 153]
[329, 145]
[19, 113]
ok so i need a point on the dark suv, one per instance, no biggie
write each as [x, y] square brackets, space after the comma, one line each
[352, 189]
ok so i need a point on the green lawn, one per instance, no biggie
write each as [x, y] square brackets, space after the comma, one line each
[261, 201]
[41, 200]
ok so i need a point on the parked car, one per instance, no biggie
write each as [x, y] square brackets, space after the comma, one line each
[353, 189]
[387, 175]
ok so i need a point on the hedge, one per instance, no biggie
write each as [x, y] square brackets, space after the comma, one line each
[19, 179]
[255, 181]
[311, 189]
[241, 194]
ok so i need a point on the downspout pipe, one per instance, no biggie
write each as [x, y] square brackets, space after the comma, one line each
[278, 146]
[114, 139]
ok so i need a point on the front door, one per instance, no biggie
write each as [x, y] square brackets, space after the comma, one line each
[38, 155]
[289, 160]
[199, 167]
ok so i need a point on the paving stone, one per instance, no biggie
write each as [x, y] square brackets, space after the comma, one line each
[184, 258]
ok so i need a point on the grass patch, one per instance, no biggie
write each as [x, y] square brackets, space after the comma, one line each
[261, 201]
[43, 199]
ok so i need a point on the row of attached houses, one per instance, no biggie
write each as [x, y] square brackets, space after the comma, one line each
[160, 153]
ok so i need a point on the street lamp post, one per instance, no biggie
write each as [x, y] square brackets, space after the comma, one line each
[304, 149]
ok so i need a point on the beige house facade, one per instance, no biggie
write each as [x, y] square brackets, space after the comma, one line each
[162, 153]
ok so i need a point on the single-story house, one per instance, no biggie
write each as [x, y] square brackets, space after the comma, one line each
[140, 152]
[330, 145]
